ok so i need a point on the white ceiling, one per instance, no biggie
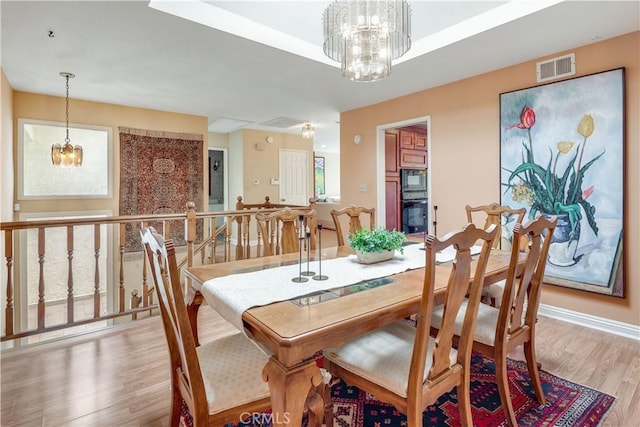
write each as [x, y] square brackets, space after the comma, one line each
[245, 63]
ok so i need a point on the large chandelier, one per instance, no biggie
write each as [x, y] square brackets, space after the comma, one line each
[66, 155]
[365, 36]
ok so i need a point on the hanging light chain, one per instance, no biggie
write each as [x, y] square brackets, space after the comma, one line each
[67, 109]
[67, 76]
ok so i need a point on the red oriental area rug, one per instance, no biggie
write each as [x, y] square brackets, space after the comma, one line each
[568, 403]
[159, 173]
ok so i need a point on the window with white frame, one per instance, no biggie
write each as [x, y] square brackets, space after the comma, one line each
[39, 178]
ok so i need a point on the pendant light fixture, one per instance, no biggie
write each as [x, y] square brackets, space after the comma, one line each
[66, 155]
[366, 35]
[308, 131]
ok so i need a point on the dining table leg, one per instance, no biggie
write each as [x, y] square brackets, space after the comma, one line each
[294, 390]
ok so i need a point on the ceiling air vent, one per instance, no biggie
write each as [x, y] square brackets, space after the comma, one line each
[283, 122]
[555, 68]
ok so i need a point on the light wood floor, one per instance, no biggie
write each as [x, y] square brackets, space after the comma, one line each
[120, 376]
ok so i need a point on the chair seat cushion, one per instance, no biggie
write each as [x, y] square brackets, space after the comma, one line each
[232, 372]
[383, 356]
[485, 331]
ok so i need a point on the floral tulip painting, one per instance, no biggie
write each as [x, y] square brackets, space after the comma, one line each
[547, 188]
[562, 155]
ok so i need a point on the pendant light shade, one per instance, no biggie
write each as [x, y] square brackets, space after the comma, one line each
[308, 131]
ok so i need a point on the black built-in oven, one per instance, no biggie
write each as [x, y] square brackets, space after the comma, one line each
[414, 216]
[414, 200]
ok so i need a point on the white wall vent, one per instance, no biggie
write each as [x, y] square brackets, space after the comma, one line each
[555, 68]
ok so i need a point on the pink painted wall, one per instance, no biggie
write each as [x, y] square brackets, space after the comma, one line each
[465, 155]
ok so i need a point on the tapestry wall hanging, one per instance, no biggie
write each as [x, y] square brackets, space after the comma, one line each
[562, 154]
[159, 173]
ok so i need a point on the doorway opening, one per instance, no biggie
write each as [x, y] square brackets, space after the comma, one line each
[404, 147]
[218, 192]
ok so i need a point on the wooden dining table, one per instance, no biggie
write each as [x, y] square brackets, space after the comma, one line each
[294, 331]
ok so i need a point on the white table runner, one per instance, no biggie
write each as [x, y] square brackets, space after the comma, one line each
[232, 295]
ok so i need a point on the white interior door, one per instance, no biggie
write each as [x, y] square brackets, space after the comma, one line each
[294, 166]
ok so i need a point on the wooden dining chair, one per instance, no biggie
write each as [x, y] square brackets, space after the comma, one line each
[281, 231]
[354, 213]
[499, 330]
[220, 381]
[404, 366]
[495, 214]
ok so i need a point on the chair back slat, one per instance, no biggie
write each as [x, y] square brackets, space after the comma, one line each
[281, 231]
[354, 213]
[457, 288]
[495, 215]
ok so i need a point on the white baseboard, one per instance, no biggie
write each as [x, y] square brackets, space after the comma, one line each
[589, 321]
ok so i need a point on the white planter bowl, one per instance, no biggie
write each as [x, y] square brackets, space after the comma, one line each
[373, 257]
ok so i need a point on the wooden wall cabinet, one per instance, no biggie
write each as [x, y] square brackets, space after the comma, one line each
[392, 202]
[413, 139]
[407, 140]
[392, 179]
[391, 151]
[413, 159]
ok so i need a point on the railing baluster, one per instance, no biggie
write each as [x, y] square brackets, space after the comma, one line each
[145, 284]
[228, 234]
[227, 238]
[70, 306]
[96, 276]
[41, 307]
[260, 251]
[123, 234]
[239, 249]
[213, 245]
[190, 236]
[212, 234]
[8, 254]
[245, 238]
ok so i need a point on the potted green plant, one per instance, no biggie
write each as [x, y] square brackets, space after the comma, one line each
[376, 245]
